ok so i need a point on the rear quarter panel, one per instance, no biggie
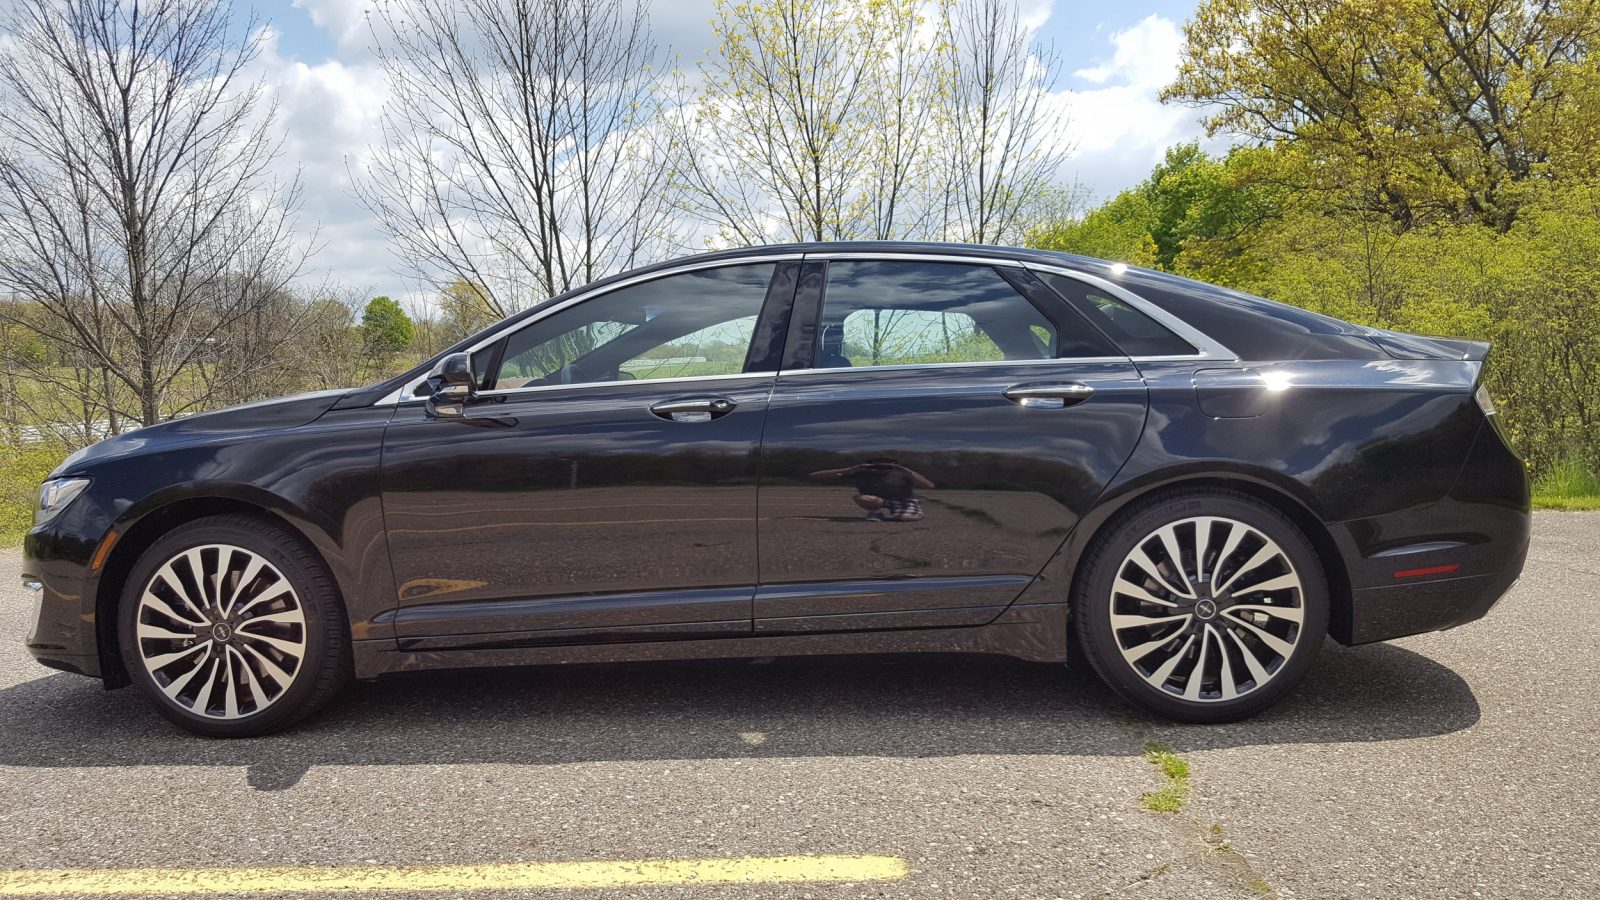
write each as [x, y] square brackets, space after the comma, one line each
[1369, 448]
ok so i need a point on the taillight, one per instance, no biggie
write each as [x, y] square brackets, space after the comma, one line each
[1485, 402]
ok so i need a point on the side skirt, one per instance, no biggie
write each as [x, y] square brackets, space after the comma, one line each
[1037, 633]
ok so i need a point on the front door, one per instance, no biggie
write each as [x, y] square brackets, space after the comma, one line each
[604, 487]
[937, 431]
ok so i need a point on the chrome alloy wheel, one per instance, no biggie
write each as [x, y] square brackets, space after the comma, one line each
[221, 631]
[1207, 608]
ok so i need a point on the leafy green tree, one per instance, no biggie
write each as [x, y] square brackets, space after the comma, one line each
[1187, 216]
[1422, 110]
[464, 308]
[385, 328]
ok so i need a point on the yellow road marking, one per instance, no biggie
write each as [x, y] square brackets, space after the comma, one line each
[500, 876]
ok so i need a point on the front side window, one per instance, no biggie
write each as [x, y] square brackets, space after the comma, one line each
[883, 313]
[694, 323]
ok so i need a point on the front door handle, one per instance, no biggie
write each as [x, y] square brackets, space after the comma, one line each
[1048, 395]
[694, 409]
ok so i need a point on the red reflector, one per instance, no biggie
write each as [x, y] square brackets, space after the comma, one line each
[1427, 570]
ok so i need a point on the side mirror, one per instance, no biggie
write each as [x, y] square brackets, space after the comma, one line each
[451, 387]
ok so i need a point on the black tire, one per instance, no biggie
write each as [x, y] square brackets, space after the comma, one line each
[1137, 528]
[322, 630]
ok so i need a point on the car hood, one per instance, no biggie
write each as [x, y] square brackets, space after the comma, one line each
[266, 415]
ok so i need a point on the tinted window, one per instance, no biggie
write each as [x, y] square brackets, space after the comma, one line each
[1253, 327]
[1136, 333]
[899, 313]
[696, 323]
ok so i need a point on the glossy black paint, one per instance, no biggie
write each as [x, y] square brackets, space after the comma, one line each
[571, 523]
[1009, 484]
[577, 512]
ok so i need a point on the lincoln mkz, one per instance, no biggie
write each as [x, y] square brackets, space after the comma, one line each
[807, 449]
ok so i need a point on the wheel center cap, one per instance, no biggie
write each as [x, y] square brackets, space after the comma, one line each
[221, 632]
[1206, 609]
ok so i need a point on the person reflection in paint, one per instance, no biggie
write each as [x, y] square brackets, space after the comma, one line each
[884, 488]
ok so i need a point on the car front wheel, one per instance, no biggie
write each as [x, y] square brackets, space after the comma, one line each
[232, 627]
[1202, 606]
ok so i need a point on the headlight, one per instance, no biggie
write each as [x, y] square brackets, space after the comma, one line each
[55, 495]
[1485, 402]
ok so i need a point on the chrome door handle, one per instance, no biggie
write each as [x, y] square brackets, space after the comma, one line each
[694, 409]
[1048, 395]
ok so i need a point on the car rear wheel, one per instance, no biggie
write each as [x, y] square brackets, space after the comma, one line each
[1202, 606]
[232, 627]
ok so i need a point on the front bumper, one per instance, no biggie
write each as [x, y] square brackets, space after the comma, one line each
[63, 632]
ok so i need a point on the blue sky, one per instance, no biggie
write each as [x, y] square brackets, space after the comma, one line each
[1115, 57]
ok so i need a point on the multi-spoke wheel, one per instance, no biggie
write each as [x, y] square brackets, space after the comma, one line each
[1202, 606]
[232, 627]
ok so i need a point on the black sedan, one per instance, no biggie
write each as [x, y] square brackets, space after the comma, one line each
[810, 449]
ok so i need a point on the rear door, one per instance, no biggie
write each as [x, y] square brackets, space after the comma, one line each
[937, 430]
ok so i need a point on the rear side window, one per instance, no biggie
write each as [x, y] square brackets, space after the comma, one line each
[1253, 327]
[886, 313]
[1135, 332]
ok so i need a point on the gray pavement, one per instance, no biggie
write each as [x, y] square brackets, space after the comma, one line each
[1460, 764]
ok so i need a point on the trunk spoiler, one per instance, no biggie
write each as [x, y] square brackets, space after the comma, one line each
[1417, 346]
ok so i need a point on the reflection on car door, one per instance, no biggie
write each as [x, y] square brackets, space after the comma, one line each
[610, 493]
[944, 439]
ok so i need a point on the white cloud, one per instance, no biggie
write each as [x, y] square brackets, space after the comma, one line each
[328, 115]
[344, 20]
[1119, 127]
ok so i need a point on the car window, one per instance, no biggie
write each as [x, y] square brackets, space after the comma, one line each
[1135, 332]
[718, 349]
[882, 313]
[694, 323]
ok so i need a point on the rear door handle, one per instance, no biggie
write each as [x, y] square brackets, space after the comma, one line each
[694, 409]
[1048, 395]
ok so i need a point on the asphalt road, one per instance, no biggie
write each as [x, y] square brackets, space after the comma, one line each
[1460, 764]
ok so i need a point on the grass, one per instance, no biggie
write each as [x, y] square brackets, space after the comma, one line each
[1568, 485]
[21, 471]
[1173, 795]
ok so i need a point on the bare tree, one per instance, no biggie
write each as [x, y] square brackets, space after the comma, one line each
[1002, 137]
[515, 155]
[831, 120]
[138, 212]
[775, 145]
[902, 188]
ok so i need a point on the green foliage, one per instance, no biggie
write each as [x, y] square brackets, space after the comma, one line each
[1420, 110]
[1532, 289]
[385, 328]
[1192, 208]
[21, 473]
[466, 308]
[1174, 795]
[1569, 484]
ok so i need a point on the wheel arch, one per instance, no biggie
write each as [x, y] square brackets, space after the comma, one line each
[137, 534]
[1261, 488]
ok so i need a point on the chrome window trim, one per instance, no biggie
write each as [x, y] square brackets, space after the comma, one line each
[1209, 348]
[403, 393]
[542, 388]
[1054, 360]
